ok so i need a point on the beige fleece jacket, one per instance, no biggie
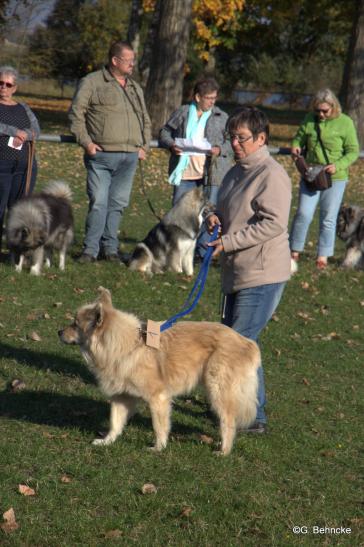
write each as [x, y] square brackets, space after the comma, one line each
[253, 207]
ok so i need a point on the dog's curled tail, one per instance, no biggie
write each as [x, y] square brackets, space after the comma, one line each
[59, 189]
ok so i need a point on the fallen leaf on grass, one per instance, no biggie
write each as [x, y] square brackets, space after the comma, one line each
[186, 511]
[205, 439]
[111, 534]
[327, 453]
[305, 381]
[149, 488]
[10, 523]
[57, 304]
[78, 290]
[17, 385]
[275, 318]
[66, 479]
[26, 490]
[305, 285]
[34, 336]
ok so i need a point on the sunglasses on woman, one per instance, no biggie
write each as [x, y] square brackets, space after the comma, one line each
[323, 110]
[6, 84]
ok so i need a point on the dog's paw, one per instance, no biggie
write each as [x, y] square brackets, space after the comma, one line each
[103, 442]
[35, 270]
[155, 449]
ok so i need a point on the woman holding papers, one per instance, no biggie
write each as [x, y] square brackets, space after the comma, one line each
[194, 134]
[18, 127]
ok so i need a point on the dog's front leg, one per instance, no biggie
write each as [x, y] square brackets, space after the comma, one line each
[160, 408]
[122, 406]
[175, 262]
[352, 257]
[18, 261]
[37, 259]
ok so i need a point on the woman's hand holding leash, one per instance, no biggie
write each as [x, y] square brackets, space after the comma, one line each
[211, 221]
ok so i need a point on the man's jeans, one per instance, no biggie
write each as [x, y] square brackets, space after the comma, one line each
[211, 191]
[109, 182]
[330, 201]
[247, 312]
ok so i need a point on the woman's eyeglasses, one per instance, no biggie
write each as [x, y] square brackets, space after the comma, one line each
[240, 138]
[6, 84]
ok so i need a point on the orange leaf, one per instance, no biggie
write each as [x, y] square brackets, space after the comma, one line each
[26, 490]
[10, 523]
[149, 488]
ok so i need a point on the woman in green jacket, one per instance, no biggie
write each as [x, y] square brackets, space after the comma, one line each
[340, 141]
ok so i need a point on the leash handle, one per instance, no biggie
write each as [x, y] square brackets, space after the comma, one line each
[198, 286]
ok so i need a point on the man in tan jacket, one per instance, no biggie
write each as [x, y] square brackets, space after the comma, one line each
[110, 121]
[252, 210]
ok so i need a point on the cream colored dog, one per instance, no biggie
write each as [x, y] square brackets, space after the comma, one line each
[190, 353]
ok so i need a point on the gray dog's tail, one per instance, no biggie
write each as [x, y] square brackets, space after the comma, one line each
[59, 189]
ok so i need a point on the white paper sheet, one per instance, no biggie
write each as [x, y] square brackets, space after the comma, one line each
[193, 147]
[11, 144]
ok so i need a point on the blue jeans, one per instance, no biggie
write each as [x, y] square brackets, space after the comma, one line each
[330, 201]
[211, 193]
[109, 182]
[247, 312]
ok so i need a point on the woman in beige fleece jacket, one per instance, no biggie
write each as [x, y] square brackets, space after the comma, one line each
[252, 209]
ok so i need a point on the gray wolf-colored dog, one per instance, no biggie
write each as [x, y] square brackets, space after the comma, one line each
[39, 223]
[350, 228]
[170, 245]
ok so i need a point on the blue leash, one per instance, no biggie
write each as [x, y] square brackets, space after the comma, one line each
[192, 299]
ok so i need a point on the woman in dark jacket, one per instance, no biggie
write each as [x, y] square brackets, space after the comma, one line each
[18, 128]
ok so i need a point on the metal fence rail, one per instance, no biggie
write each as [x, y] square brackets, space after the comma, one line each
[275, 150]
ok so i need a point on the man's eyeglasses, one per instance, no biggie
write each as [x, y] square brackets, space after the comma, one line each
[240, 138]
[126, 61]
[6, 84]
[323, 110]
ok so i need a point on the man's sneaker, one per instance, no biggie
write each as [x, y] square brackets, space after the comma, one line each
[256, 427]
[86, 259]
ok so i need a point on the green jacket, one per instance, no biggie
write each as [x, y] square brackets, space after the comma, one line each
[339, 139]
[106, 114]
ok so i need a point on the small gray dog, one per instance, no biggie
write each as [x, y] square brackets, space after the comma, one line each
[39, 223]
[171, 243]
[350, 228]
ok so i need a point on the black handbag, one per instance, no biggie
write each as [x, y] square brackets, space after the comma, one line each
[315, 176]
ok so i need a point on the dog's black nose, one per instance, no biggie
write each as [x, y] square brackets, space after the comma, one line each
[60, 332]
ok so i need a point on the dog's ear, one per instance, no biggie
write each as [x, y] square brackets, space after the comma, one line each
[99, 315]
[104, 296]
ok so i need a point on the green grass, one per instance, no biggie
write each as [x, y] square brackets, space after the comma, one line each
[306, 472]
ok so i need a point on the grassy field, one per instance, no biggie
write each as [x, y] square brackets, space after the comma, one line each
[305, 473]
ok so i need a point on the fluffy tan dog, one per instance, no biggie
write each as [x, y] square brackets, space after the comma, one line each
[113, 345]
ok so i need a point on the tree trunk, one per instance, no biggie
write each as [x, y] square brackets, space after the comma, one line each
[165, 82]
[352, 90]
[144, 63]
[135, 24]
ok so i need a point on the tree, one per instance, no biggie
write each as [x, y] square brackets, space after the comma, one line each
[165, 82]
[74, 47]
[352, 90]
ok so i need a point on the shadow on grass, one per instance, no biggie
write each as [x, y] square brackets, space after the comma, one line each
[46, 361]
[72, 411]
